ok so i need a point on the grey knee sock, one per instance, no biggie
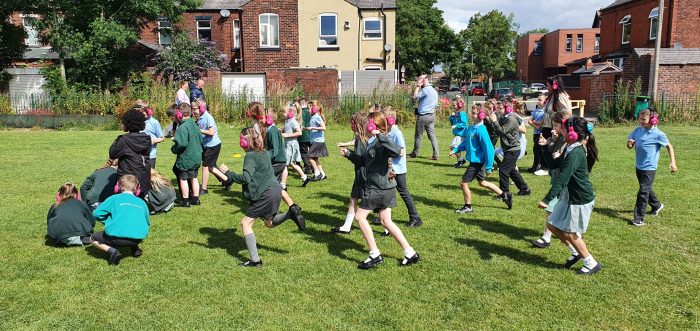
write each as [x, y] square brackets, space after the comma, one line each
[252, 247]
[280, 218]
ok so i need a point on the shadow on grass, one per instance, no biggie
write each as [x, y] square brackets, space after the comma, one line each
[433, 202]
[474, 187]
[429, 162]
[336, 244]
[487, 250]
[233, 244]
[512, 232]
[615, 214]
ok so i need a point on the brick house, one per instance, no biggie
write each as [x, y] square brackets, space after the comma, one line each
[543, 55]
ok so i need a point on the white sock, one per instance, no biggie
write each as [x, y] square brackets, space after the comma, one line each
[303, 177]
[589, 262]
[316, 173]
[547, 237]
[349, 217]
[323, 174]
[284, 185]
[409, 252]
[374, 253]
[572, 249]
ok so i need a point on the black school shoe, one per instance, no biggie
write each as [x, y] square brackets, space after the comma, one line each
[507, 197]
[185, 203]
[115, 257]
[339, 231]
[306, 181]
[195, 201]
[540, 243]
[251, 264]
[571, 261]
[371, 262]
[524, 192]
[409, 260]
[298, 219]
[414, 223]
[586, 271]
[136, 251]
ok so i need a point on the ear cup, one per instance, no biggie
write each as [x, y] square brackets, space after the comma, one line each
[555, 86]
[243, 142]
[149, 112]
[313, 110]
[259, 117]
[460, 104]
[202, 109]
[508, 109]
[58, 198]
[178, 115]
[138, 189]
[116, 188]
[290, 114]
[268, 120]
[572, 136]
[391, 121]
[371, 126]
[247, 113]
[482, 115]
[654, 119]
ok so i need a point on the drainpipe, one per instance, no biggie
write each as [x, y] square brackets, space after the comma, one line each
[381, 8]
[359, 34]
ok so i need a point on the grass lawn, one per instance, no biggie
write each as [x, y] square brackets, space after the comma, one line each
[478, 271]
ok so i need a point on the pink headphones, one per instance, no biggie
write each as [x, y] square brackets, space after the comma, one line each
[571, 136]
[138, 188]
[290, 113]
[482, 114]
[460, 104]
[247, 113]
[508, 109]
[243, 142]
[555, 86]
[178, 114]
[202, 109]
[654, 119]
[390, 120]
[268, 120]
[371, 126]
[149, 112]
[314, 110]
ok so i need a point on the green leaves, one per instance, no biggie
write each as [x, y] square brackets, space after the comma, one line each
[187, 59]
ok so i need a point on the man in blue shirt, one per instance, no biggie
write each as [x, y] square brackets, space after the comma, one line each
[196, 92]
[647, 140]
[427, 99]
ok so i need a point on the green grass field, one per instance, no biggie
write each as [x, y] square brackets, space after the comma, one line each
[478, 271]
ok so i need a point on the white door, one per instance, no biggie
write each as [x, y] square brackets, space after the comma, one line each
[26, 88]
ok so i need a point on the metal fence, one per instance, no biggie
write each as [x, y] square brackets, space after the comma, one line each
[672, 107]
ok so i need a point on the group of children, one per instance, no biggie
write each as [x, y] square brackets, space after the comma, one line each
[127, 188]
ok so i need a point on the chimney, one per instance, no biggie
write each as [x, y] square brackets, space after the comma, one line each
[589, 63]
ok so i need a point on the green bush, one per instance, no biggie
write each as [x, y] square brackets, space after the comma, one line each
[5, 105]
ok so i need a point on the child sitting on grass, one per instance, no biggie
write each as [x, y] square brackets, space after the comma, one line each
[161, 197]
[70, 220]
[126, 221]
[99, 185]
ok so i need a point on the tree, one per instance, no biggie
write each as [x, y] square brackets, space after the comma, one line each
[11, 36]
[97, 37]
[187, 59]
[422, 37]
[538, 30]
[490, 39]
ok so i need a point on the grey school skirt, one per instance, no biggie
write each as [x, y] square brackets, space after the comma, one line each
[570, 218]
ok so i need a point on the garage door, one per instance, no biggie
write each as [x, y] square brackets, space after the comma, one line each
[26, 88]
[236, 84]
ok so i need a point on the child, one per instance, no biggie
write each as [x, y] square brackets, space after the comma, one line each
[305, 138]
[69, 221]
[459, 125]
[211, 145]
[508, 129]
[126, 221]
[260, 188]
[490, 108]
[478, 150]
[647, 140]
[358, 124]
[555, 147]
[172, 112]
[398, 165]
[292, 131]
[100, 184]
[379, 192]
[188, 148]
[161, 197]
[571, 215]
[133, 150]
[317, 126]
[152, 129]
[182, 96]
[535, 121]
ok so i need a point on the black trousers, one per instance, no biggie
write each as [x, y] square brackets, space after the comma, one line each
[406, 196]
[152, 162]
[537, 151]
[645, 195]
[304, 151]
[546, 156]
[507, 171]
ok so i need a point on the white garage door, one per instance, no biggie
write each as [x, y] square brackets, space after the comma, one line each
[236, 84]
[26, 88]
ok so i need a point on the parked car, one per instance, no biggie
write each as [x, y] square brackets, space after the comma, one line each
[534, 91]
[502, 93]
[454, 88]
[477, 90]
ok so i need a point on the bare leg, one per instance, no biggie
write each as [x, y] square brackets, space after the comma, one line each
[283, 177]
[184, 188]
[578, 244]
[205, 178]
[492, 187]
[385, 216]
[361, 217]
[247, 225]
[219, 175]
[314, 164]
[195, 187]
[101, 247]
[298, 169]
[287, 199]
[466, 193]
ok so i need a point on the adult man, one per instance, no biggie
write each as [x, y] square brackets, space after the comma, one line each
[427, 99]
[196, 92]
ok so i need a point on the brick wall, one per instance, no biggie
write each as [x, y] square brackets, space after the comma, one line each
[679, 79]
[686, 23]
[529, 66]
[257, 59]
[638, 67]
[316, 81]
[597, 86]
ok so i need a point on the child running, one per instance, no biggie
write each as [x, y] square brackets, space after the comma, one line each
[261, 188]
[99, 185]
[69, 221]
[379, 192]
[647, 140]
[571, 215]
[126, 221]
[161, 197]
[188, 148]
[317, 126]
[305, 138]
[292, 130]
[478, 150]
[459, 122]
[358, 124]
[132, 149]
[211, 145]
[538, 168]
[152, 129]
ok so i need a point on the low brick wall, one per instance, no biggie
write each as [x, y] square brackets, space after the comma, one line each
[319, 82]
[53, 121]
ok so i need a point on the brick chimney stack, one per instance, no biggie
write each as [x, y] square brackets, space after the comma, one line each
[589, 63]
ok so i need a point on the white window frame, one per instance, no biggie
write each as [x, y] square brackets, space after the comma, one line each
[569, 46]
[626, 25]
[653, 16]
[160, 31]
[27, 41]
[596, 45]
[320, 32]
[270, 35]
[579, 43]
[237, 34]
[203, 28]
[371, 68]
[380, 31]
[618, 62]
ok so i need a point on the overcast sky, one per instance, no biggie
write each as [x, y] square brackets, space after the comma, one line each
[529, 14]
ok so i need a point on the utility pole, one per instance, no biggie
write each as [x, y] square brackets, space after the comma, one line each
[657, 50]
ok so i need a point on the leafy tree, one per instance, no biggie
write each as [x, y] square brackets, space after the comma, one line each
[422, 37]
[11, 36]
[538, 30]
[96, 38]
[490, 39]
[187, 59]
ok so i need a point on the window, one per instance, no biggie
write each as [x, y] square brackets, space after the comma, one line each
[328, 30]
[538, 48]
[372, 68]
[269, 30]
[568, 43]
[164, 33]
[653, 23]
[618, 62]
[626, 28]
[32, 32]
[596, 47]
[579, 43]
[372, 28]
[203, 27]
[236, 34]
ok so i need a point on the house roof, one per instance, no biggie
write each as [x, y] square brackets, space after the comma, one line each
[597, 68]
[583, 60]
[152, 46]
[617, 3]
[673, 55]
[222, 4]
[373, 4]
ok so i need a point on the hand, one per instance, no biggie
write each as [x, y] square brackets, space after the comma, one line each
[630, 143]
[493, 117]
[344, 152]
[556, 155]
[542, 205]
[223, 168]
[376, 132]
[451, 155]
[555, 134]
[673, 167]
[542, 141]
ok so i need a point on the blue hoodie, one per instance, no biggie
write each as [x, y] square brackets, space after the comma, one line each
[477, 146]
[460, 122]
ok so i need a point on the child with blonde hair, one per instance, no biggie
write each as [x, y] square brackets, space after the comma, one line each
[69, 221]
[161, 197]
[317, 126]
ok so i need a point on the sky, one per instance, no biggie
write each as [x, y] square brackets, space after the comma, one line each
[529, 14]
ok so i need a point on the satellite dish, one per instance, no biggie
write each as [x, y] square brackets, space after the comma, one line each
[225, 13]
[388, 47]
